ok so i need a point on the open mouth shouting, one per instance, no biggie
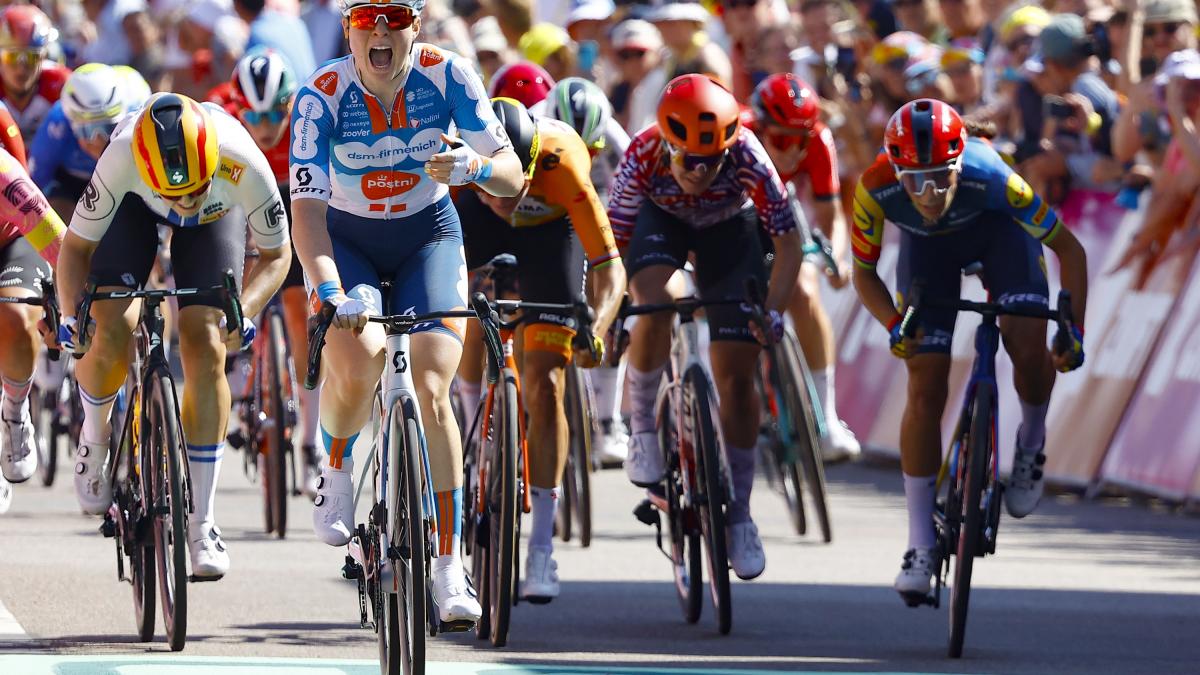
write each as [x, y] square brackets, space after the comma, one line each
[381, 58]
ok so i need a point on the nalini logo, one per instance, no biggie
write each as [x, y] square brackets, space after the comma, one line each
[384, 184]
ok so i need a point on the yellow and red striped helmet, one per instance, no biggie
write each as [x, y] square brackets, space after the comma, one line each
[175, 145]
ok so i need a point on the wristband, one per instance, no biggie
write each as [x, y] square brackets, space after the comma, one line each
[328, 289]
[891, 325]
[484, 173]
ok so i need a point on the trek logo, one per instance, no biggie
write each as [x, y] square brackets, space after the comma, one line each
[327, 83]
[384, 184]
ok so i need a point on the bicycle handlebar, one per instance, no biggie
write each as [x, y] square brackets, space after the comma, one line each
[1062, 315]
[48, 301]
[226, 291]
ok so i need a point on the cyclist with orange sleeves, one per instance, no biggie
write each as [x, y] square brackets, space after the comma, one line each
[31, 83]
[560, 233]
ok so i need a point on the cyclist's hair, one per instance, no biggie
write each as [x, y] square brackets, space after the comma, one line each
[981, 128]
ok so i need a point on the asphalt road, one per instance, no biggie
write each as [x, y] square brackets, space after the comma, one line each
[1076, 588]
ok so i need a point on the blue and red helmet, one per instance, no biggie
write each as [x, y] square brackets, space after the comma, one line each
[924, 132]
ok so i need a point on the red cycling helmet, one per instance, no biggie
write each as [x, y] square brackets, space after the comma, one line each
[523, 81]
[925, 132]
[26, 27]
[698, 116]
[786, 100]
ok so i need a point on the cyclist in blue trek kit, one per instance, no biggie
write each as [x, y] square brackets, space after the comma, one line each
[956, 203]
[370, 162]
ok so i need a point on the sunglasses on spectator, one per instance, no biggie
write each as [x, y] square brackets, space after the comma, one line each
[29, 57]
[703, 164]
[1017, 44]
[939, 178]
[1150, 31]
[364, 17]
[273, 116]
[191, 196]
[631, 54]
[93, 131]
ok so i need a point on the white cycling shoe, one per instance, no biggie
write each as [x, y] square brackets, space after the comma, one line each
[1026, 483]
[18, 458]
[645, 465]
[453, 595]
[6, 495]
[210, 560]
[839, 444]
[540, 584]
[613, 443]
[915, 579]
[746, 554]
[333, 508]
[92, 488]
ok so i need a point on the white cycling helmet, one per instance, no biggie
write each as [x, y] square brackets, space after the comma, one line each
[94, 92]
[583, 106]
[135, 88]
[264, 80]
[415, 5]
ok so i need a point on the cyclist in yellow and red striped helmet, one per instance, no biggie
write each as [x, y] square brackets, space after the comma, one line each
[175, 145]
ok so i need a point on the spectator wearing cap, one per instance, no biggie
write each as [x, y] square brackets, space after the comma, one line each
[962, 62]
[921, 17]
[1175, 187]
[1156, 29]
[491, 49]
[284, 33]
[550, 47]
[964, 18]
[637, 47]
[891, 60]
[1066, 112]
[587, 24]
[743, 21]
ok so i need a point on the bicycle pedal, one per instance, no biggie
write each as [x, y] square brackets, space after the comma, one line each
[459, 626]
[109, 527]
[351, 569]
[198, 580]
[647, 514]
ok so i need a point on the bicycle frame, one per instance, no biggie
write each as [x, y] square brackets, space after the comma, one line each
[507, 341]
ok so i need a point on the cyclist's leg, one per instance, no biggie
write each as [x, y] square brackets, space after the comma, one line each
[485, 235]
[432, 279]
[659, 247]
[1015, 274]
[22, 269]
[938, 263]
[726, 255]
[123, 260]
[200, 256]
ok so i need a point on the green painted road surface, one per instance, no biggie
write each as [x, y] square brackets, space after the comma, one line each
[1086, 588]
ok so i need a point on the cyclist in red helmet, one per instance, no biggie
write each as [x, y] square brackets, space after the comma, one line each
[523, 81]
[956, 203]
[699, 185]
[31, 83]
[785, 113]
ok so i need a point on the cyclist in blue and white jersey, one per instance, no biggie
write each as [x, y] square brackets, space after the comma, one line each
[75, 132]
[372, 153]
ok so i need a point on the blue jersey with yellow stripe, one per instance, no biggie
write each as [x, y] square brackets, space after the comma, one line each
[986, 184]
[366, 157]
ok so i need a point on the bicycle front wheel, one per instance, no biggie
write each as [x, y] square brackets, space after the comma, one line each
[171, 505]
[503, 451]
[800, 394]
[685, 535]
[275, 426]
[576, 480]
[711, 494]
[43, 407]
[972, 468]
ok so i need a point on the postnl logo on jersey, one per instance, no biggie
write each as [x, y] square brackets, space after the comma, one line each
[327, 83]
[1020, 194]
[430, 58]
[384, 184]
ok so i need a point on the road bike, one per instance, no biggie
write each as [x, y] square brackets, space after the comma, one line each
[151, 487]
[970, 494]
[698, 490]
[390, 555]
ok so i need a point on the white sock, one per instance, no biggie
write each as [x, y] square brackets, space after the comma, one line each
[96, 412]
[919, 492]
[606, 384]
[643, 387]
[469, 393]
[16, 394]
[310, 414]
[204, 464]
[1033, 428]
[545, 506]
[823, 382]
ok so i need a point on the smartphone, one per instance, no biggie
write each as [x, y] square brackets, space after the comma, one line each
[1058, 108]
[847, 62]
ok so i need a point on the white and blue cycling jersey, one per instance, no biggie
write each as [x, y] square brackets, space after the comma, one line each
[367, 160]
[54, 149]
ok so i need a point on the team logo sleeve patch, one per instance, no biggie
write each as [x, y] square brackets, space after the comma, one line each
[1019, 193]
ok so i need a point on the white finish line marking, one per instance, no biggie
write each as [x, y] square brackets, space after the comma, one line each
[10, 629]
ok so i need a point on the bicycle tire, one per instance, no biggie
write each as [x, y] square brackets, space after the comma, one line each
[712, 499]
[970, 533]
[566, 498]
[778, 464]
[799, 388]
[686, 550]
[503, 508]
[170, 525]
[141, 555]
[276, 484]
[43, 435]
[579, 417]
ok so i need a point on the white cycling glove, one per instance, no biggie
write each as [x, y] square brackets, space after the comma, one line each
[350, 313]
[469, 166]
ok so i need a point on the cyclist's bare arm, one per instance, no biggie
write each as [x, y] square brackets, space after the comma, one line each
[74, 265]
[311, 238]
[1072, 261]
[784, 271]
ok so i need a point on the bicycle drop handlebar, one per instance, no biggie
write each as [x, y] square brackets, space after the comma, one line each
[1061, 315]
[48, 301]
[227, 292]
